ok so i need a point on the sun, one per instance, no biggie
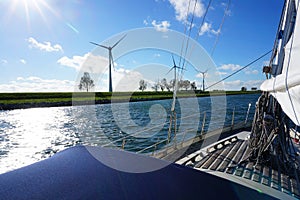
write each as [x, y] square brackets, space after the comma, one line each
[29, 8]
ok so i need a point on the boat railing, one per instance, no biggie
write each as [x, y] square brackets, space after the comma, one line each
[181, 139]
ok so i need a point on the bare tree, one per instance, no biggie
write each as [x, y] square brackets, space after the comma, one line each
[166, 84]
[162, 86]
[86, 83]
[143, 85]
[155, 86]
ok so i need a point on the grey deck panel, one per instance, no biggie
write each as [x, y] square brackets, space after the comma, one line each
[228, 160]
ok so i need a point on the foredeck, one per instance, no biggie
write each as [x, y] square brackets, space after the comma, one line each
[225, 158]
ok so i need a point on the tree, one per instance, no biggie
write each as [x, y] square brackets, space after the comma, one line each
[180, 84]
[155, 86]
[243, 89]
[165, 84]
[172, 83]
[162, 86]
[193, 86]
[143, 85]
[86, 83]
[186, 84]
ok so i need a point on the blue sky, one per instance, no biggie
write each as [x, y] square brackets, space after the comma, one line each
[45, 45]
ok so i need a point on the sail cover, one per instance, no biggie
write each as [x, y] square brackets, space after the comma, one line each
[76, 174]
[286, 86]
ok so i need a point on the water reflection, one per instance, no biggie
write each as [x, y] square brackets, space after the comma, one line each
[30, 135]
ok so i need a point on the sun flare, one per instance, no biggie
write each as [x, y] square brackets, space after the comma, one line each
[29, 9]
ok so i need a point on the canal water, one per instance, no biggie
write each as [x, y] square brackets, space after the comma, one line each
[30, 135]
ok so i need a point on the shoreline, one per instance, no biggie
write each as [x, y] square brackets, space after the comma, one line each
[12, 101]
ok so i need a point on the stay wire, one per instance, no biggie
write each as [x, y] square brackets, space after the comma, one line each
[257, 59]
[203, 20]
[220, 28]
[185, 29]
[188, 40]
[199, 30]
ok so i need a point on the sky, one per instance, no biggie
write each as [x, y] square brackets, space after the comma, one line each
[45, 44]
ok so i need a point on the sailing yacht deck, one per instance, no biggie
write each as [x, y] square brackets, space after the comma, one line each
[224, 159]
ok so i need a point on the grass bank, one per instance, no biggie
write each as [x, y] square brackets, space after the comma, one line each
[10, 101]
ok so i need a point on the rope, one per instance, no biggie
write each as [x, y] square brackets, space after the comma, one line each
[240, 69]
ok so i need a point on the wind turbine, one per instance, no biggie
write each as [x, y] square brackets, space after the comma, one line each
[203, 77]
[174, 68]
[175, 81]
[110, 58]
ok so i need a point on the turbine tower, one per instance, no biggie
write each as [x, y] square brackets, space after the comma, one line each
[110, 59]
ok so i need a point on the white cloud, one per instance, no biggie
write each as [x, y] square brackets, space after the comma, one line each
[206, 27]
[145, 22]
[238, 84]
[161, 26]
[37, 84]
[231, 67]
[23, 61]
[225, 5]
[249, 71]
[126, 80]
[233, 84]
[4, 62]
[215, 32]
[182, 9]
[88, 62]
[123, 79]
[46, 46]
[199, 75]
[218, 73]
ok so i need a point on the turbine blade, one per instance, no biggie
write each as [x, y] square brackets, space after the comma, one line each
[173, 60]
[99, 45]
[119, 41]
[170, 70]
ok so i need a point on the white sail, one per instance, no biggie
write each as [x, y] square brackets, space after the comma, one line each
[285, 87]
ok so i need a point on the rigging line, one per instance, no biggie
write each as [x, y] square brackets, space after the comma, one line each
[199, 30]
[220, 28]
[275, 45]
[188, 39]
[203, 20]
[185, 28]
[287, 71]
[240, 69]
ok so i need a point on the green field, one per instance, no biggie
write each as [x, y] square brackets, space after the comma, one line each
[46, 99]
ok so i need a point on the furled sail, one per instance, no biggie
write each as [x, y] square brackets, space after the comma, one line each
[285, 87]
